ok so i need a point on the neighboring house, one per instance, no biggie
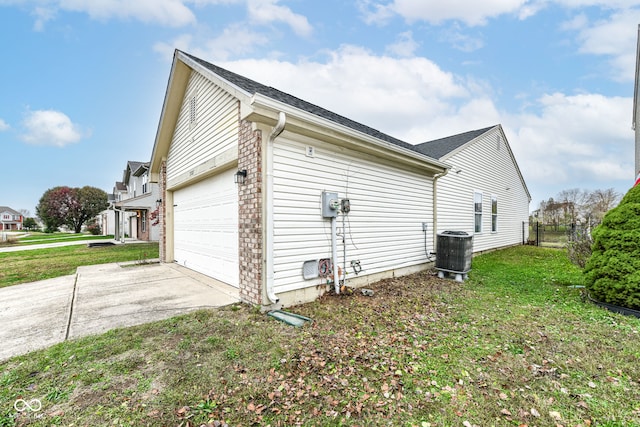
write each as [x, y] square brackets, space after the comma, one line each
[10, 220]
[134, 208]
[484, 193]
[297, 167]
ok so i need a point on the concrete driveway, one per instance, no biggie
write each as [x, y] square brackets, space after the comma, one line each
[99, 298]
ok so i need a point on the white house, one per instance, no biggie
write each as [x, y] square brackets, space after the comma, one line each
[484, 193]
[135, 206]
[266, 192]
[10, 219]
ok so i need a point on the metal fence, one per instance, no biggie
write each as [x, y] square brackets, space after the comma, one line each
[554, 235]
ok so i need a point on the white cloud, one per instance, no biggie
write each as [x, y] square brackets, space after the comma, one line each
[461, 41]
[172, 13]
[574, 140]
[438, 11]
[561, 141]
[43, 15]
[166, 12]
[234, 40]
[405, 46]
[268, 11]
[50, 127]
[614, 37]
[402, 97]
[3, 125]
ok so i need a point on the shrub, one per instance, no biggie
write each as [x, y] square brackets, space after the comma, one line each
[579, 249]
[612, 274]
[94, 228]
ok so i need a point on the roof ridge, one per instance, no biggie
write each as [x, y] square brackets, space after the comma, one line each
[254, 87]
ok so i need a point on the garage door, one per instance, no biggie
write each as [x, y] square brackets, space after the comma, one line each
[206, 227]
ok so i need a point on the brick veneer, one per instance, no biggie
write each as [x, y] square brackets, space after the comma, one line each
[250, 214]
[163, 225]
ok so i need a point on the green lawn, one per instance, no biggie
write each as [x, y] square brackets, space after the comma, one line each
[39, 264]
[34, 238]
[515, 345]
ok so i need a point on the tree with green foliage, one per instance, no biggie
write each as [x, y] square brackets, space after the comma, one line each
[612, 274]
[30, 224]
[70, 206]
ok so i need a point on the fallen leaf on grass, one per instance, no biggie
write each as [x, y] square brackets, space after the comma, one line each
[505, 411]
[535, 412]
[555, 415]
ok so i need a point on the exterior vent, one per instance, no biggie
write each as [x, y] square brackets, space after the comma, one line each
[453, 254]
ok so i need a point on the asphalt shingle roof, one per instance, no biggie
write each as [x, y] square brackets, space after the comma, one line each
[8, 209]
[134, 165]
[439, 148]
[254, 87]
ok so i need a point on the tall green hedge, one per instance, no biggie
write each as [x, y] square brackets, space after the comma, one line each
[612, 274]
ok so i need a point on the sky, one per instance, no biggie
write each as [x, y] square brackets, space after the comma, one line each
[82, 82]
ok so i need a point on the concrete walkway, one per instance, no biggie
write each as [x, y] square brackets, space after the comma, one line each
[99, 298]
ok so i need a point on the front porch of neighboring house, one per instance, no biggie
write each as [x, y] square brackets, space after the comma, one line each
[135, 218]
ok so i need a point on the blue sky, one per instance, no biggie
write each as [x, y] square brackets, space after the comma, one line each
[83, 81]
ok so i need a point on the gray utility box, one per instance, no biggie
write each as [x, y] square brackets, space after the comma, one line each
[454, 251]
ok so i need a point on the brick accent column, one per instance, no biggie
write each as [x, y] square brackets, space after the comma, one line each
[162, 184]
[250, 214]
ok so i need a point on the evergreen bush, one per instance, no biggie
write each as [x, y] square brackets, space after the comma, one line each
[612, 274]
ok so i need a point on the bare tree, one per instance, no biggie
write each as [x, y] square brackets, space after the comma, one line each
[598, 203]
[572, 201]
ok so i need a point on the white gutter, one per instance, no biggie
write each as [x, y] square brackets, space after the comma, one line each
[275, 132]
[259, 100]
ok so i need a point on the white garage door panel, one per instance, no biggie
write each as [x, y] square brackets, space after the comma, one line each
[206, 227]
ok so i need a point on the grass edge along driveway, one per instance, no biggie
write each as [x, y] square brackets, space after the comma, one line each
[40, 264]
[514, 345]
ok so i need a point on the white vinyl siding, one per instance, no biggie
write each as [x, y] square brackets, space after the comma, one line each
[207, 126]
[487, 169]
[383, 228]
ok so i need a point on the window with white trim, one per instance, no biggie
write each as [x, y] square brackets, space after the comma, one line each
[494, 214]
[477, 209]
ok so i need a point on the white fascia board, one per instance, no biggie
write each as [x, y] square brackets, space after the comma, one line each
[268, 108]
[229, 87]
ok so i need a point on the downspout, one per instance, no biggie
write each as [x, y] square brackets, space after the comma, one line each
[275, 132]
[435, 205]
